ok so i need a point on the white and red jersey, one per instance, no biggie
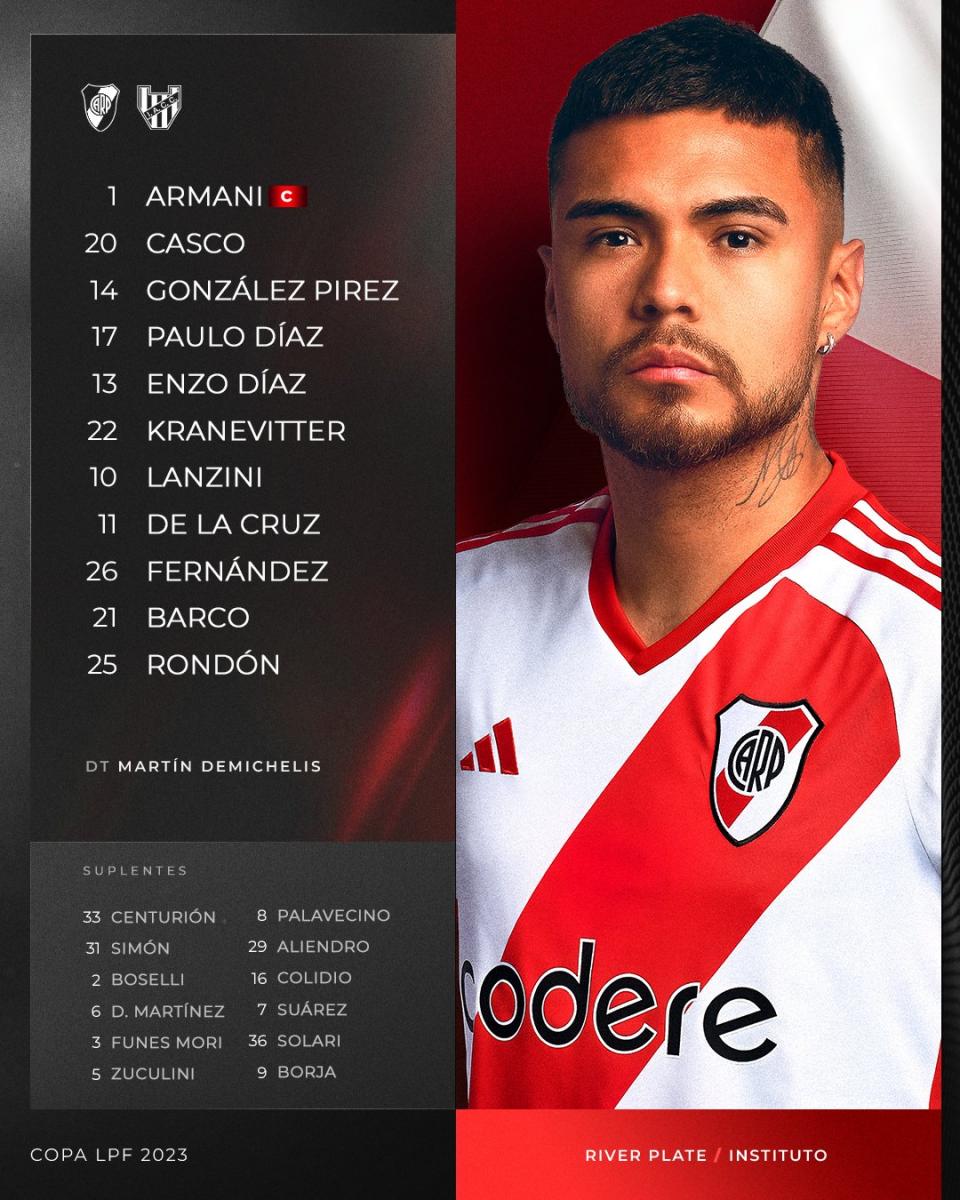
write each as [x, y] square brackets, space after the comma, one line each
[705, 872]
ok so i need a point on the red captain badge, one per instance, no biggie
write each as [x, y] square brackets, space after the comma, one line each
[759, 755]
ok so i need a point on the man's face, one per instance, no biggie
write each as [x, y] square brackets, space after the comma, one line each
[686, 283]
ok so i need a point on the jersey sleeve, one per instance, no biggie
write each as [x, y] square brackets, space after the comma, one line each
[925, 800]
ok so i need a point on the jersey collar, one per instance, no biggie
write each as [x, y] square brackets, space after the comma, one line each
[825, 507]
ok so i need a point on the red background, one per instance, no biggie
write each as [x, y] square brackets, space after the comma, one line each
[518, 450]
[526, 1155]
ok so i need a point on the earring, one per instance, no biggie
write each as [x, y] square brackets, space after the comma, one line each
[828, 345]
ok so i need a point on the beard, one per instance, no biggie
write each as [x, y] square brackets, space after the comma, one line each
[667, 436]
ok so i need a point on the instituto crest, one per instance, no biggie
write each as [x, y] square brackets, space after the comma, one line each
[159, 109]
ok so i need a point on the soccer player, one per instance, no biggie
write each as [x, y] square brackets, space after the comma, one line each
[698, 839]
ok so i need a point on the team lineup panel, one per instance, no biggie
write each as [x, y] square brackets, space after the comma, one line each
[241, 621]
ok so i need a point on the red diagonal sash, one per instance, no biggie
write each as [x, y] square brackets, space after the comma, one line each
[648, 875]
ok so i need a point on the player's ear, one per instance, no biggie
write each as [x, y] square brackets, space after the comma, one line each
[843, 288]
[550, 298]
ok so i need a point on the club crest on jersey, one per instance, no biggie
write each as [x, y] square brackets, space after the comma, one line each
[159, 109]
[760, 751]
[100, 104]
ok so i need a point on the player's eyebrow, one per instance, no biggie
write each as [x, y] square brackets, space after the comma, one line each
[729, 206]
[607, 208]
[733, 206]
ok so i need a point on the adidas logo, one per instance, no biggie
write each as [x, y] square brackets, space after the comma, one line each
[482, 757]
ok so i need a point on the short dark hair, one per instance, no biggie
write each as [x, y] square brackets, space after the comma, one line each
[705, 62]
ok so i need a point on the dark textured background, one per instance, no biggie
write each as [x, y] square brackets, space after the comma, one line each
[255, 1154]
